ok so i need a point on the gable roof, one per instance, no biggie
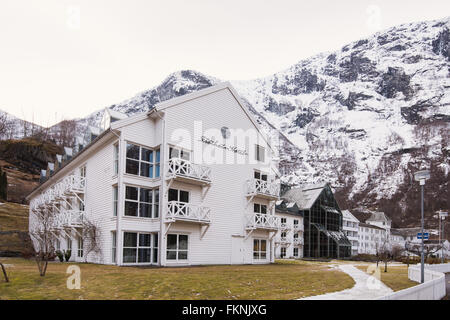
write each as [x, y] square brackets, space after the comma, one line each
[197, 94]
[305, 196]
[378, 217]
[288, 207]
[349, 216]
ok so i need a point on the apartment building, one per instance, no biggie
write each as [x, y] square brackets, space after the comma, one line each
[371, 238]
[289, 239]
[350, 226]
[193, 181]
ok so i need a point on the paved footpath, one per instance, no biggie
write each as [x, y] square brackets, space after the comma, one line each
[366, 287]
[447, 286]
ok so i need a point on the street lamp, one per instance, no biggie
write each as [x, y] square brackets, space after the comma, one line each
[422, 176]
[441, 216]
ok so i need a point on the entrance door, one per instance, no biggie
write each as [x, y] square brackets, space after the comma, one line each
[237, 250]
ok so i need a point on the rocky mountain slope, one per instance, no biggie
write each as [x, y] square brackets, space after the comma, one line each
[363, 118]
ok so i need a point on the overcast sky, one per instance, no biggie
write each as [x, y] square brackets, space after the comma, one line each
[64, 59]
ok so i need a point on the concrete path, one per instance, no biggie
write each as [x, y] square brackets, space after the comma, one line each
[447, 286]
[366, 287]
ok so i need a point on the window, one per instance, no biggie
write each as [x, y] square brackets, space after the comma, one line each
[83, 171]
[80, 247]
[116, 158]
[138, 247]
[283, 235]
[115, 200]
[141, 202]
[283, 220]
[295, 252]
[179, 153]
[57, 244]
[283, 252]
[177, 247]
[142, 161]
[259, 208]
[296, 235]
[260, 176]
[178, 195]
[259, 153]
[114, 246]
[259, 249]
[69, 244]
[295, 222]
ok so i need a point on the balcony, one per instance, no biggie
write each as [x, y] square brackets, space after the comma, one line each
[285, 227]
[282, 241]
[262, 221]
[298, 227]
[188, 212]
[186, 171]
[298, 241]
[68, 219]
[263, 189]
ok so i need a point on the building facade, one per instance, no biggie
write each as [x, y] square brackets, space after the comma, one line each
[191, 182]
[350, 227]
[323, 221]
[289, 239]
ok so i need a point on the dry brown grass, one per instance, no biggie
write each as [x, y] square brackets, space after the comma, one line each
[282, 280]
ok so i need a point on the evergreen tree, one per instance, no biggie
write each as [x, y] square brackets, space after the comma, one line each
[3, 185]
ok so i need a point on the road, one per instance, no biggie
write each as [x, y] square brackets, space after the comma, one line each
[447, 286]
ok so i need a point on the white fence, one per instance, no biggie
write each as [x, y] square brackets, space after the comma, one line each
[433, 287]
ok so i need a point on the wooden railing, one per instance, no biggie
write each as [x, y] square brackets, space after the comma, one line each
[262, 221]
[185, 168]
[258, 186]
[177, 210]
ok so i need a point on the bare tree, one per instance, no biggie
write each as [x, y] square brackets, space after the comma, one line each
[4, 272]
[44, 237]
[6, 126]
[429, 248]
[91, 236]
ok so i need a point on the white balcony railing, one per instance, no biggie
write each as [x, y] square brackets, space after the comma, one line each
[262, 221]
[68, 185]
[262, 187]
[177, 167]
[298, 241]
[187, 212]
[298, 227]
[282, 240]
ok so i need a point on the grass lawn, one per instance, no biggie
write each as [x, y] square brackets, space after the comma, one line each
[395, 278]
[282, 280]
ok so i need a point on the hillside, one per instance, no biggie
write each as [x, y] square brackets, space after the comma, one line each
[14, 238]
[22, 161]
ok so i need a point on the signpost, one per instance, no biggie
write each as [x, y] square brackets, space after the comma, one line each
[426, 236]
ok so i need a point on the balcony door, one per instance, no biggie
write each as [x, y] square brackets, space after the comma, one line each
[180, 196]
[261, 181]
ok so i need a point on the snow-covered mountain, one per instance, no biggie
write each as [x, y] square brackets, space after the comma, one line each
[363, 117]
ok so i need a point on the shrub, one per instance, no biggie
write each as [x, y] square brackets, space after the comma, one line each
[60, 255]
[67, 254]
[365, 257]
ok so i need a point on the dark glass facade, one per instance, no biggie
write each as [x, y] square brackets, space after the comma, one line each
[323, 236]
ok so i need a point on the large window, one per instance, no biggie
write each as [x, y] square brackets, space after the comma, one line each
[296, 252]
[142, 161]
[141, 202]
[283, 252]
[139, 247]
[80, 247]
[114, 246]
[115, 200]
[177, 247]
[259, 249]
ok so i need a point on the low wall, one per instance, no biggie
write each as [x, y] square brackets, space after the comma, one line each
[432, 289]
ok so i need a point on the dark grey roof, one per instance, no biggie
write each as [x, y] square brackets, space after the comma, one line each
[304, 196]
[288, 207]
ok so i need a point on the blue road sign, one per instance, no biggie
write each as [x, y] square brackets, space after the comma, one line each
[426, 235]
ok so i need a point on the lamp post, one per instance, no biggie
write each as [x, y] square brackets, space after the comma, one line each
[422, 176]
[441, 216]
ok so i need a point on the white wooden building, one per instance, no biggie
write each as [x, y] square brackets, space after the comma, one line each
[289, 240]
[350, 226]
[191, 182]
